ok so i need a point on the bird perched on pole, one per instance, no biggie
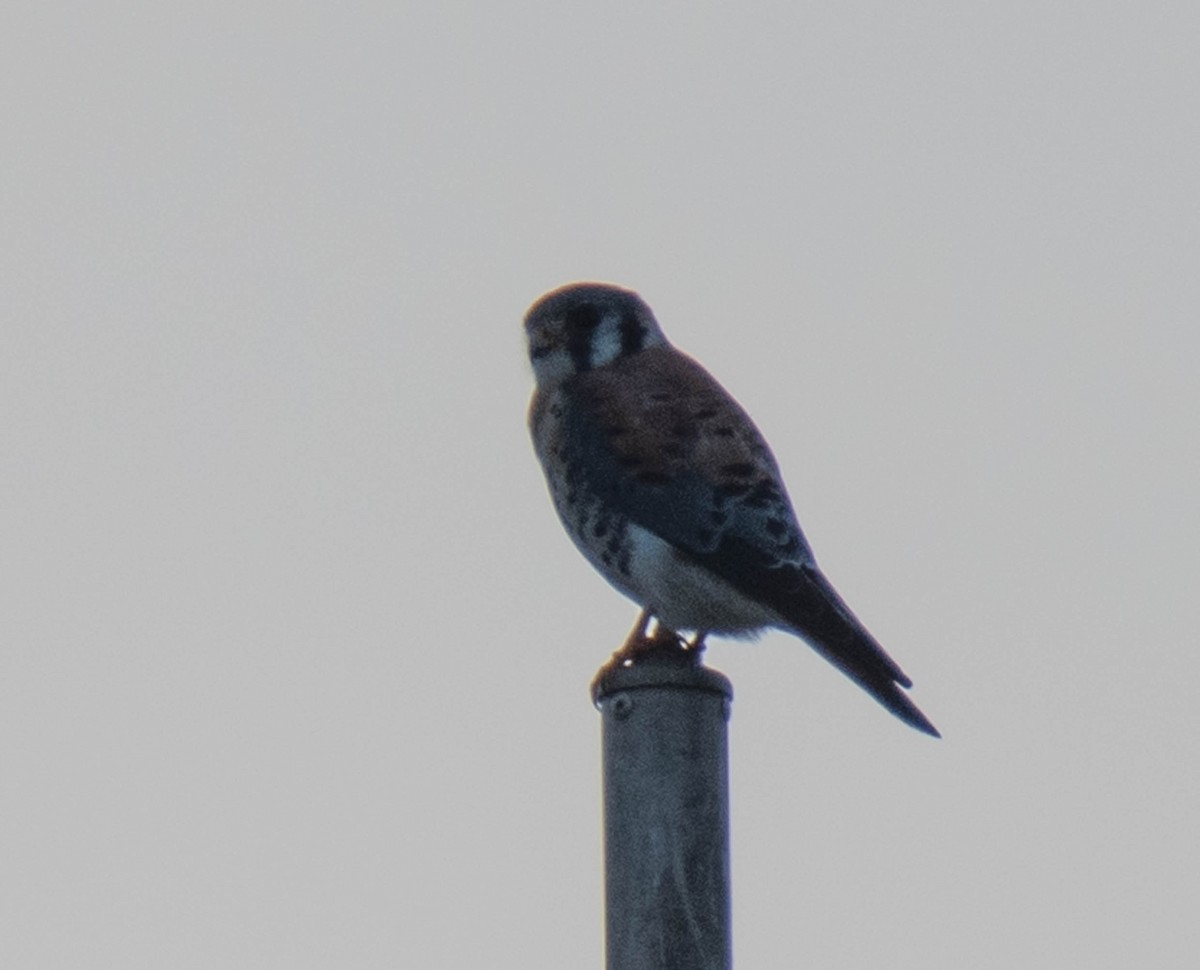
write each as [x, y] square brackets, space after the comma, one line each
[671, 493]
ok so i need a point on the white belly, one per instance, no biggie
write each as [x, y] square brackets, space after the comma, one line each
[684, 596]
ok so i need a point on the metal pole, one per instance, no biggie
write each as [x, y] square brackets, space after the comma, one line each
[666, 810]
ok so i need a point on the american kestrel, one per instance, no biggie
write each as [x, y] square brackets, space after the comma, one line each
[669, 490]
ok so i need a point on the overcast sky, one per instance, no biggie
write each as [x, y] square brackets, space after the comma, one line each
[294, 653]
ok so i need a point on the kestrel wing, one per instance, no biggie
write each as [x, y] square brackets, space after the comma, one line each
[663, 444]
[807, 600]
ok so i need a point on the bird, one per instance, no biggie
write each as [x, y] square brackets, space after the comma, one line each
[670, 491]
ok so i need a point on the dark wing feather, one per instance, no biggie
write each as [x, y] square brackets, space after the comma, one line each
[808, 601]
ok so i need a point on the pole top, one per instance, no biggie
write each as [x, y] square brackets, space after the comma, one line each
[661, 662]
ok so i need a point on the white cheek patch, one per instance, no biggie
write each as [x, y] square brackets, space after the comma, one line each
[606, 341]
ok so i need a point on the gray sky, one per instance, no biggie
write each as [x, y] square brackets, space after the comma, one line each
[294, 654]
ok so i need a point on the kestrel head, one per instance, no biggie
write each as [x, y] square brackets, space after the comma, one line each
[582, 326]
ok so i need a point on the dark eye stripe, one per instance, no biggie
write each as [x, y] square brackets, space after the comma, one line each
[581, 322]
[633, 334]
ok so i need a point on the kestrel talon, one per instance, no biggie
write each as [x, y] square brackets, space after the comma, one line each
[669, 490]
